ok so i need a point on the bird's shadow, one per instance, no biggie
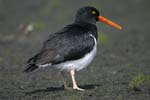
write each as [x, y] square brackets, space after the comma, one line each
[50, 89]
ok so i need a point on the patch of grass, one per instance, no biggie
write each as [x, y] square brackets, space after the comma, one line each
[38, 25]
[102, 38]
[139, 81]
[130, 65]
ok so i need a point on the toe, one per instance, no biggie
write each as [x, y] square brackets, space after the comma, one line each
[77, 88]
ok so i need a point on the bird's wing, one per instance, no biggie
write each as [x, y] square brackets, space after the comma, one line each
[64, 46]
[45, 56]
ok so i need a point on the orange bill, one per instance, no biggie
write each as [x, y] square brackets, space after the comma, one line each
[107, 21]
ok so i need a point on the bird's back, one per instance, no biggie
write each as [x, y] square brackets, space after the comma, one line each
[70, 43]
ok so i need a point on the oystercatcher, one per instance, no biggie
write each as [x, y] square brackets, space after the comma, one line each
[73, 47]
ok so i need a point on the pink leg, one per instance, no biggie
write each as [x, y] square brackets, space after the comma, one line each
[72, 72]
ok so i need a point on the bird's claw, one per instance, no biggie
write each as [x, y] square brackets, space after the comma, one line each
[77, 88]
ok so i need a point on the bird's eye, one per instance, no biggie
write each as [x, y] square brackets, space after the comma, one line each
[93, 12]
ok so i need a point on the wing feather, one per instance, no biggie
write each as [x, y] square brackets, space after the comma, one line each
[68, 44]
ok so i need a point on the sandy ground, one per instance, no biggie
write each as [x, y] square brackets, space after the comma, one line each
[121, 56]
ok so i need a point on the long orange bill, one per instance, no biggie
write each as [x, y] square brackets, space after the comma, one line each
[107, 21]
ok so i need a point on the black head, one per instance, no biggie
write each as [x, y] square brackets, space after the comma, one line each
[87, 15]
[91, 15]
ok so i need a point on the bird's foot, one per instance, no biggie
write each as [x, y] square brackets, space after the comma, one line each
[77, 88]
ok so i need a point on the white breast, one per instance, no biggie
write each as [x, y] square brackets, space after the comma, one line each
[80, 63]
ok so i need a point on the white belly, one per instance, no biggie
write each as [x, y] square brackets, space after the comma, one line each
[80, 63]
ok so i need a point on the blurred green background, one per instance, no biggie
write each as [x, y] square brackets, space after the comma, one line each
[120, 71]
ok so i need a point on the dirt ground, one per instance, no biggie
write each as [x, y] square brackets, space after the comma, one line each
[122, 54]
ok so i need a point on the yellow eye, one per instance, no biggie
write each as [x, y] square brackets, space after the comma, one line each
[93, 12]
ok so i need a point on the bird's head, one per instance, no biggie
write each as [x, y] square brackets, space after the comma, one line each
[92, 15]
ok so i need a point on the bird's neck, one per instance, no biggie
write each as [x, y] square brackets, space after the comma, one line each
[89, 27]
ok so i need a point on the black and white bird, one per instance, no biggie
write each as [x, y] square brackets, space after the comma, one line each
[73, 47]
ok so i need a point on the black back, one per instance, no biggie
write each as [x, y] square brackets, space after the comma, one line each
[71, 43]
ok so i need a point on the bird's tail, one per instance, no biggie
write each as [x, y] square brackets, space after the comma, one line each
[31, 67]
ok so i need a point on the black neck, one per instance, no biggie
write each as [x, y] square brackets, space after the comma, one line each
[90, 28]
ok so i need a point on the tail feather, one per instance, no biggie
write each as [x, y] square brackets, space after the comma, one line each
[30, 68]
